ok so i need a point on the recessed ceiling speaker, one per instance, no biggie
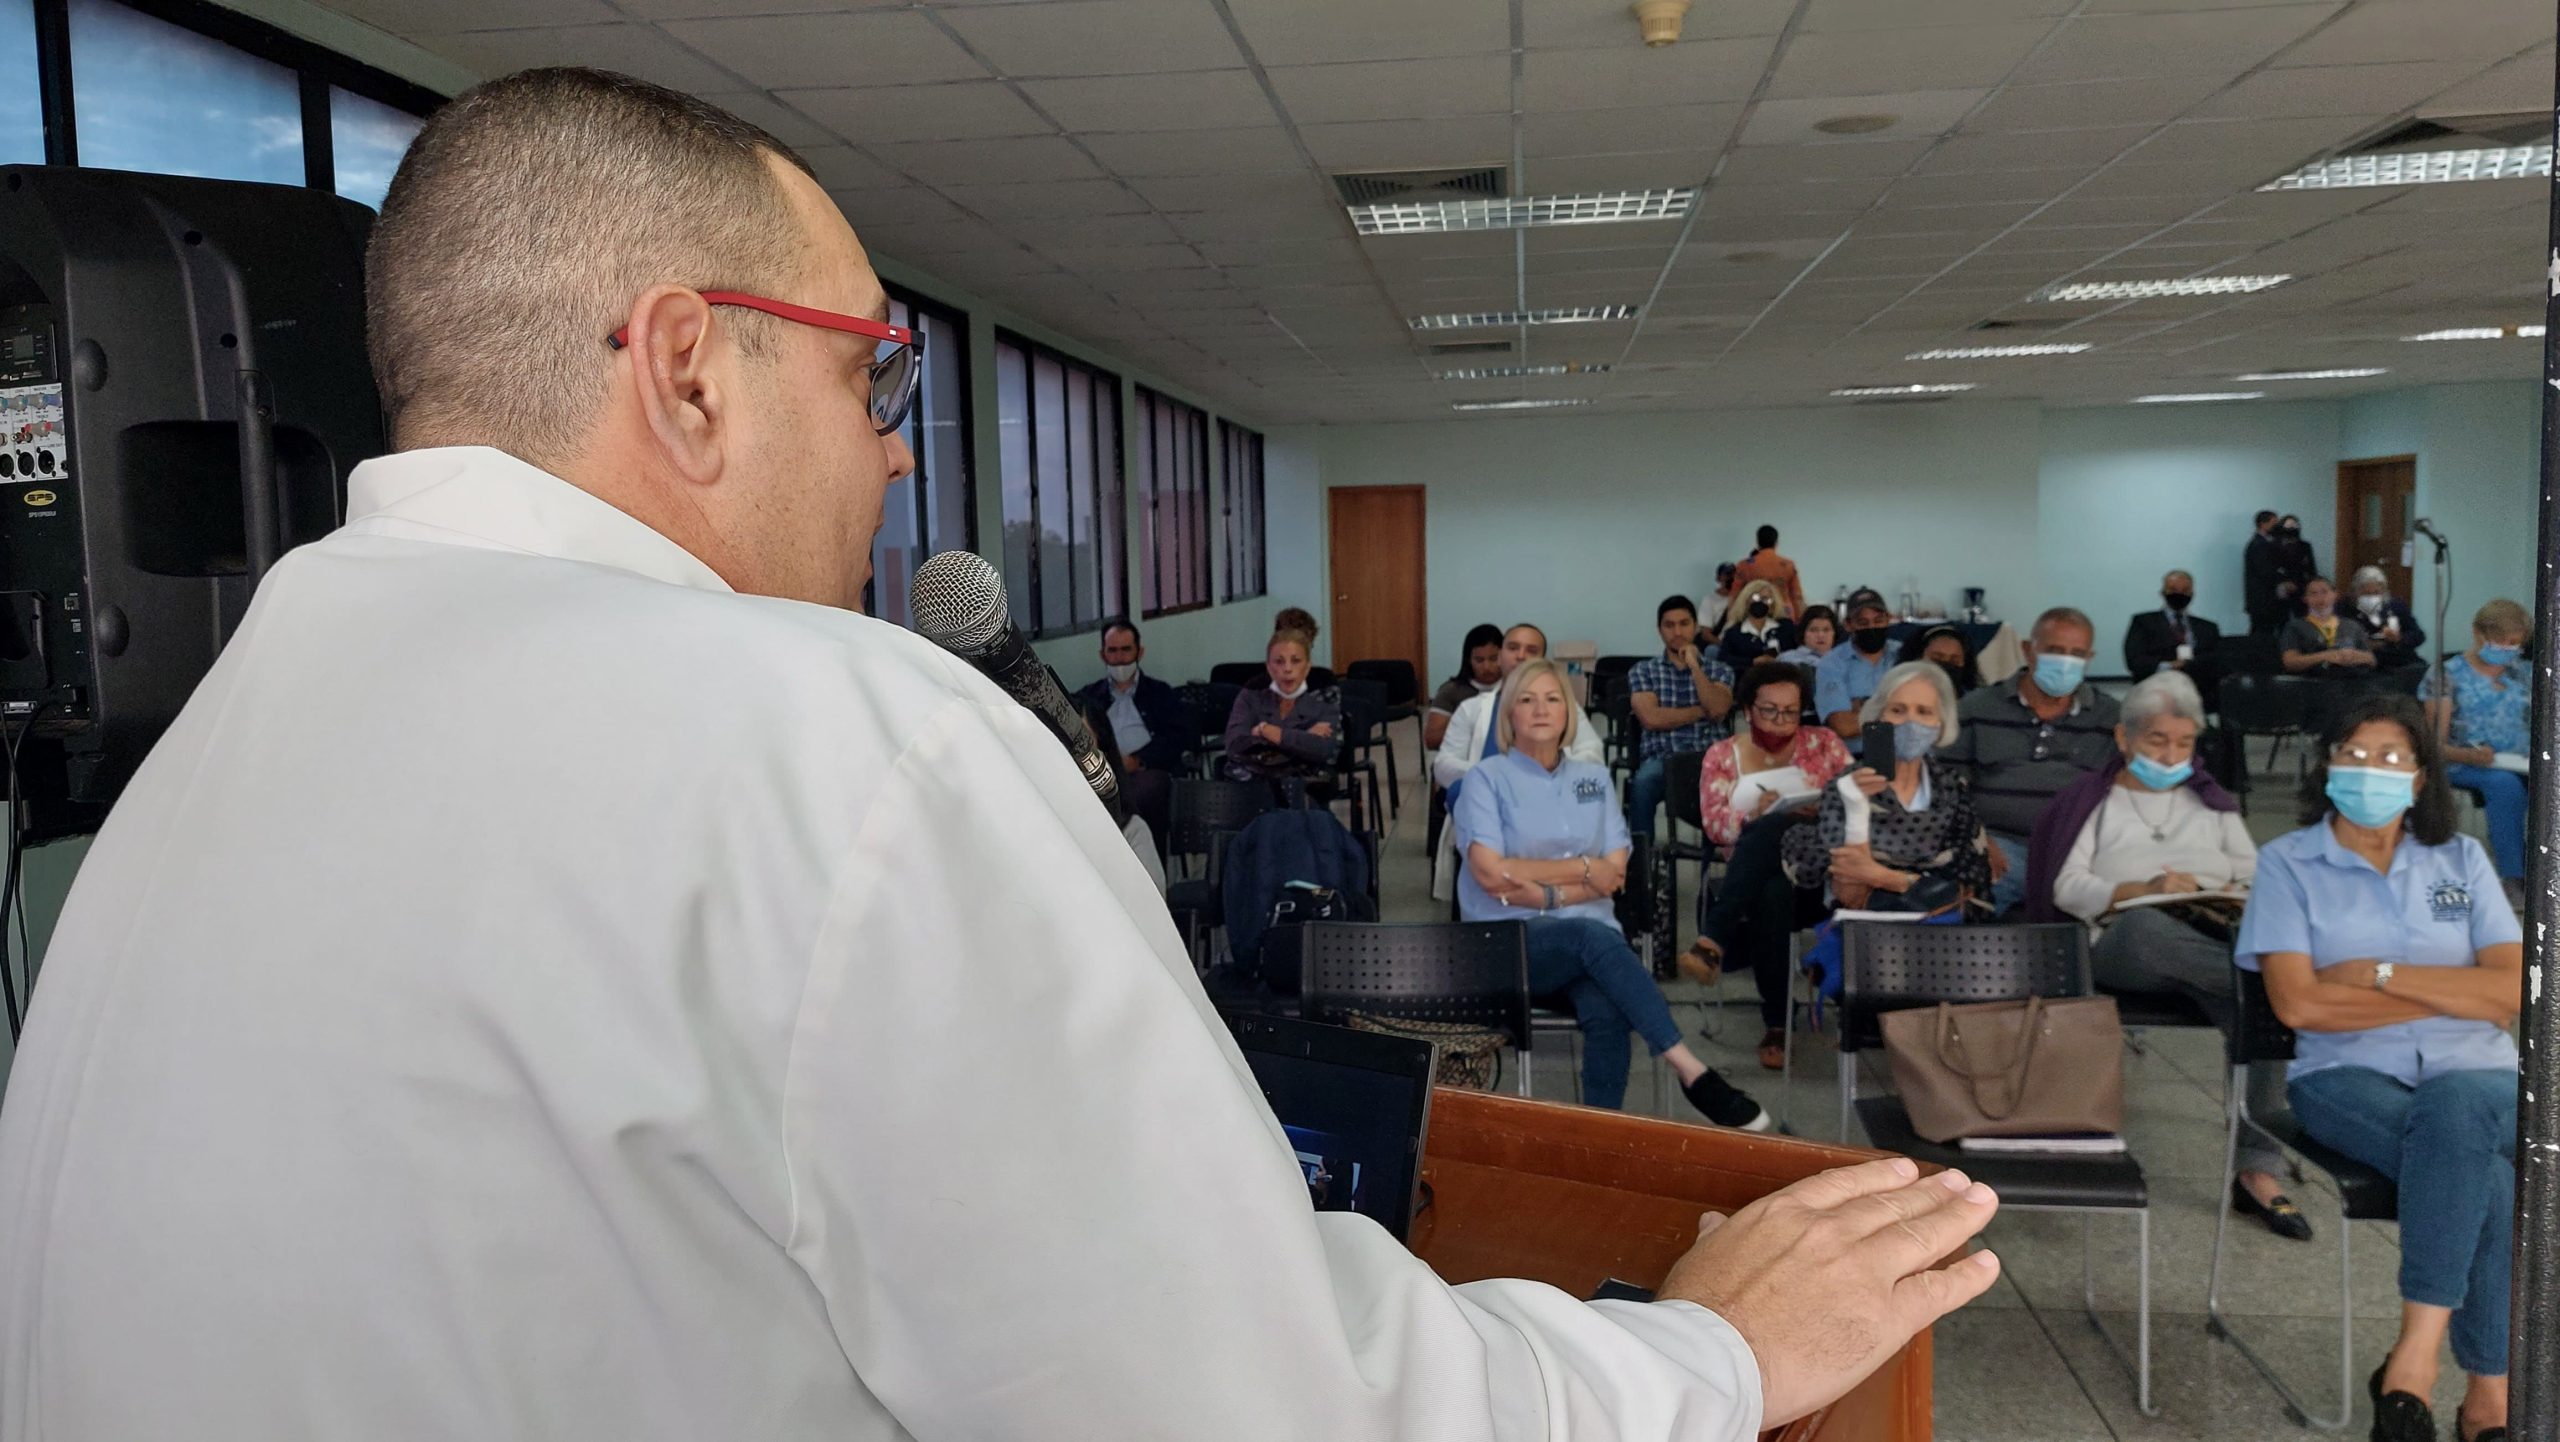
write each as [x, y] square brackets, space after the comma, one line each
[1857, 124]
[1660, 20]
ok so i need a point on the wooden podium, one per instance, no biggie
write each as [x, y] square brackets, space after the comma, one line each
[1572, 1196]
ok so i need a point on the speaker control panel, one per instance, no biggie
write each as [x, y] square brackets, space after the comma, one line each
[44, 626]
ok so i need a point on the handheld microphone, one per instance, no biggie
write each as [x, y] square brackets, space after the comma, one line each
[2427, 528]
[957, 602]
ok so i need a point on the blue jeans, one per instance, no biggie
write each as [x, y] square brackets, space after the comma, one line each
[1645, 791]
[1591, 964]
[2502, 793]
[2450, 1144]
[2011, 888]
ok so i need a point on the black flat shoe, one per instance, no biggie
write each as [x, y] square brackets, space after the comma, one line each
[2399, 1416]
[2281, 1216]
[2485, 1434]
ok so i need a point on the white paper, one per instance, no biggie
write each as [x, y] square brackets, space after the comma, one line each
[1787, 781]
[2186, 651]
[2182, 896]
[2511, 761]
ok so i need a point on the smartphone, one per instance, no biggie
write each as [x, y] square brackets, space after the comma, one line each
[1875, 746]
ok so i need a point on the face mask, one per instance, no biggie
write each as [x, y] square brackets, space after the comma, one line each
[2320, 612]
[2370, 797]
[2290, 533]
[2058, 675]
[1869, 639]
[1123, 675]
[1289, 695]
[1771, 741]
[2177, 601]
[2501, 655]
[1482, 686]
[1759, 610]
[2370, 605]
[1914, 739]
[2156, 776]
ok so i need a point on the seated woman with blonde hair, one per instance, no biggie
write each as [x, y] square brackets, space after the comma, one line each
[1545, 843]
[1287, 731]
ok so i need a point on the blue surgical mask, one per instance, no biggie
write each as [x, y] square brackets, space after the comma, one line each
[2501, 655]
[2369, 796]
[2157, 776]
[1914, 739]
[2058, 675]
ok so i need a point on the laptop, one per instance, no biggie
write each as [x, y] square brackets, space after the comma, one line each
[1354, 1104]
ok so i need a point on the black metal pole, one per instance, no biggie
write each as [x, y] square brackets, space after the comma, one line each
[2534, 1337]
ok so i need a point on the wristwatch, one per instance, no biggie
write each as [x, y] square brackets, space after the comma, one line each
[2382, 975]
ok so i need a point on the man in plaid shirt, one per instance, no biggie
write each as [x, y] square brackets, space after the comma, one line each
[1680, 699]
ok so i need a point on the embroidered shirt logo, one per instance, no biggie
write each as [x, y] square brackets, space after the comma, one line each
[1588, 790]
[2450, 901]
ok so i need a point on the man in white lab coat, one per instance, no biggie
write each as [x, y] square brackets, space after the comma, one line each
[565, 975]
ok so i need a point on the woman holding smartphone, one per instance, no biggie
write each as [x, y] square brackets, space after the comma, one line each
[1909, 839]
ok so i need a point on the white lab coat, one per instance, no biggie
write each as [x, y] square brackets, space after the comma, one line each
[1462, 746]
[533, 992]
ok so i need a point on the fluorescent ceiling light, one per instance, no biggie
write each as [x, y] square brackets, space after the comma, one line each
[1523, 404]
[1942, 389]
[1434, 217]
[1503, 373]
[2156, 289]
[2190, 399]
[2351, 373]
[1560, 315]
[2417, 167]
[2481, 332]
[1999, 352]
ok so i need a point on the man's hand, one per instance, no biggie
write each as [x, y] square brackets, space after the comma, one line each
[1831, 1276]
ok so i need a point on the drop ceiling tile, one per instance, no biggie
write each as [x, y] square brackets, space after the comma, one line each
[774, 117]
[1640, 170]
[2523, 83]
[1314, 32]
[1438, 252]
[2153, 100]
[1187, 100]
[402, 18]
[1097, 37]
[1782, 164]
[1840, 198]
[2386, 30]
[1197, 152]
[1058, 236]
[1214, 192]
[962, 110]
[1829, 16]
[1949, 58]
[2220, 42]
[839, 167]
[1411, 144]
[2368, 92]
[1627, 76]
[1308, 222]
[1984, 186]
[1700, 129]
[989, 162]
[1395, 89]
[2153, 210]
[1756, 229]
[1170, 255]
[818, 51]
[1970, 153]
[1036, 200]
[1915, 115]
[1598, 24]
[705, 9]
[631, 49]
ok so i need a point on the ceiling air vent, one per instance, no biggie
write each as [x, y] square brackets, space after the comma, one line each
[1471, 347]
[1390, 187]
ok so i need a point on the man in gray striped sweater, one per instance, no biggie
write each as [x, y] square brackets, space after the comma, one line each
[2026, 741]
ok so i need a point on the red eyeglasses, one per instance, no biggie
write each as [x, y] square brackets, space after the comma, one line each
[894, 371]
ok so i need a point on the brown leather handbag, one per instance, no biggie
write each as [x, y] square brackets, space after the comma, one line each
[2033, 1068]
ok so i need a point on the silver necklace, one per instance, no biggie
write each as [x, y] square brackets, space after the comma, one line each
[2159, 828]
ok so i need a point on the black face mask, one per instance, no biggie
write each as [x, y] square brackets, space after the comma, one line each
[1869, 639]
[1759, 610]
[2177, 600]
[2290, 533]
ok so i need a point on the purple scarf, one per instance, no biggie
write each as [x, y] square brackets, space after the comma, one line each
[2070, 810]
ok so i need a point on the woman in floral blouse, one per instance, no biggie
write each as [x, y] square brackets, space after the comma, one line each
[1758, 907]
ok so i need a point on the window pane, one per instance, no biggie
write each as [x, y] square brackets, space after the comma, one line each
[1115, 518]
[946, 434]
[1242, 513]
[1049, 467]
[148, 95]
[366, 140]
[21, 110]
[1088, 530]
[1013, 440]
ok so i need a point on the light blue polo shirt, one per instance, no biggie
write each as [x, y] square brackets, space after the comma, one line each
[1845, 679]
[1521, 809]
[2439, 906]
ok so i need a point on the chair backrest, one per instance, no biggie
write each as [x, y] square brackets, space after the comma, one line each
[1210, 704]
[1680, 786]
[2251, 703]
[1614, 667]
[1239, 674]
[1319, 678]
[1890, 965]
[2255, 1033]
[1404, 688]
[1204, 809]
[1474, 973]
[1364, 709]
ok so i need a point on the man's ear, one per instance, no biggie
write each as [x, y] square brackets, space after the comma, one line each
[669, 344]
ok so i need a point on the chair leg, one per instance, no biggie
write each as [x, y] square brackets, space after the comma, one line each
[1848, 1091]
[2139, 1364]
[1395, 801]
[1528, 1064]
[2216, 1324]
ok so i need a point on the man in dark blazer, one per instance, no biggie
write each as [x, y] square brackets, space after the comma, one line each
[2170, 638]
[1150, 727]
[2261, 589]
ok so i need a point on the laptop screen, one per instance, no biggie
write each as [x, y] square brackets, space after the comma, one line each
[1354, 1104]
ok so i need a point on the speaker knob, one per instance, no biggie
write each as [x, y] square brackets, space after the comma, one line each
[112, 630]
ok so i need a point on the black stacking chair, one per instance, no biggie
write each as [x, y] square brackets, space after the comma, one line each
[2273, 706]
[1241, 674]
[1206, 816]
[1366, 711]
[1618, 742]
[1890, 966]
[1404, 699]
[1680, 797]
[1210, 704]
[2364, 1195]
[1470, 973]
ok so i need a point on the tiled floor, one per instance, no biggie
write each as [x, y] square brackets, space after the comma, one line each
[2023, 1363]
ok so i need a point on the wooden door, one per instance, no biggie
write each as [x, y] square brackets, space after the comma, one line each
[2377, 501]
[1379, 613]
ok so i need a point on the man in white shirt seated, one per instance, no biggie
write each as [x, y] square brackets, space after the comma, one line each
[566, 975]
[1148, 723]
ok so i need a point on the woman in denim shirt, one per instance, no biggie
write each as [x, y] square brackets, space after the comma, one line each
[2388, 946]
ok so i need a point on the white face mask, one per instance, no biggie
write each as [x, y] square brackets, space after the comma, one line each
[2370, 605]
[1484, 686]
[1288, 695]
[1122, 675]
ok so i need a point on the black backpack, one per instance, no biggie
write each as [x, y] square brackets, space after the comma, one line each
[1287, 868]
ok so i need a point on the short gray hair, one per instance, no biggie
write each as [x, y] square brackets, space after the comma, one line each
[2065, 616]
[1903, 675]
[2163, 693]
[2369, 573]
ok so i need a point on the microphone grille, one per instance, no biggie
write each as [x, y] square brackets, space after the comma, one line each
[957, 602]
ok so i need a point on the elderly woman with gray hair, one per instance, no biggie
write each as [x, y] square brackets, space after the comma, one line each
[1899, 833]
[2154, 858]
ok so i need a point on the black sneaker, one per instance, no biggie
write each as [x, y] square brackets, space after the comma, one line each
[1724, 1106]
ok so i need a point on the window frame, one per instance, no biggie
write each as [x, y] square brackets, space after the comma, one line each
[1111, 515]
[1154, 491]
[1230, 435]
[915, 495]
